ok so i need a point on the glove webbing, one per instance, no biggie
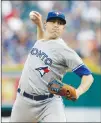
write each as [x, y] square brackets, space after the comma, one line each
[57, 90]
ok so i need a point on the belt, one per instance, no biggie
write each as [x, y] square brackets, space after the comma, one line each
[37, 98]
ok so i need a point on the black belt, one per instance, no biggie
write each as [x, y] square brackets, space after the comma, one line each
[37, 98]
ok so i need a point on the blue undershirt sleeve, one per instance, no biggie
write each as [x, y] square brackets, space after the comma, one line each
[82, 70]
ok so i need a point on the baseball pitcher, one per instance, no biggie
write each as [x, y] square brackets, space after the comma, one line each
[40, 90]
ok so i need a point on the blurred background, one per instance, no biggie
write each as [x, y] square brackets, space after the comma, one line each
[82, 33]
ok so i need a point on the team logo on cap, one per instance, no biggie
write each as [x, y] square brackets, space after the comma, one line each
[43, 70]
[57, 13]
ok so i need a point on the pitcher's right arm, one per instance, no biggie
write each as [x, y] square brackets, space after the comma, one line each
[36, 18]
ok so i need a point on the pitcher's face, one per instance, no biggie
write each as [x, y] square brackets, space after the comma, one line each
[54, 28]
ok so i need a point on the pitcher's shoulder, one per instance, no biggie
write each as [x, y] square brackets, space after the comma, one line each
[65, 45]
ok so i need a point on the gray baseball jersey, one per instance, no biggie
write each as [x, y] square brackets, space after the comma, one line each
[46, 61]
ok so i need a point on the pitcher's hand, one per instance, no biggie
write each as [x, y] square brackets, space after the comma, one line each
[36, 18]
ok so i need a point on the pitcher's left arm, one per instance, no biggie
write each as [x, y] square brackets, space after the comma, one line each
[86, 82]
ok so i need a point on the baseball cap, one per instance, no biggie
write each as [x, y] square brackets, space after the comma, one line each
[55, 14]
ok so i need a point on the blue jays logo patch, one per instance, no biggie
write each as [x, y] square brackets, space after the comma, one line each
[43, 70]
[58, 13]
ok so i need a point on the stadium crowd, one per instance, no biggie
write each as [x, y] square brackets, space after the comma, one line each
[82, 33]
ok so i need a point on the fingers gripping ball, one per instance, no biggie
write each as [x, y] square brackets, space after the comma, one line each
[59, 88]
[32, 15]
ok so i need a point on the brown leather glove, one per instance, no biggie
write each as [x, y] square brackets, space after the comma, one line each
[65, 90]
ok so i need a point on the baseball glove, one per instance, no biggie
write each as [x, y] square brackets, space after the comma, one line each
[65, 90]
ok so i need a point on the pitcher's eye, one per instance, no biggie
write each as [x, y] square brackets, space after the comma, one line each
[60, 23]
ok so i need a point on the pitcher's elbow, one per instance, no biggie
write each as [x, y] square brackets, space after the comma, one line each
[92, 78]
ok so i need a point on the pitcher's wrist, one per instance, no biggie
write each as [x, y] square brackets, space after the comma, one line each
[79, 92]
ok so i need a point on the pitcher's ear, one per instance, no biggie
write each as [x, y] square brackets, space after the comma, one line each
[64, 27]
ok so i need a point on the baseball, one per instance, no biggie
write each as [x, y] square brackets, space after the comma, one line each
[31, 15]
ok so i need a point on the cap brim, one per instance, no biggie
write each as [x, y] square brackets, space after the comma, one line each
[56, 18]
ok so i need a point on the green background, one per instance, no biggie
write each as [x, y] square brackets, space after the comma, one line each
[92, 98]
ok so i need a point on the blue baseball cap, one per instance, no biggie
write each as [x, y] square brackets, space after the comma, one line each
[54, 15]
